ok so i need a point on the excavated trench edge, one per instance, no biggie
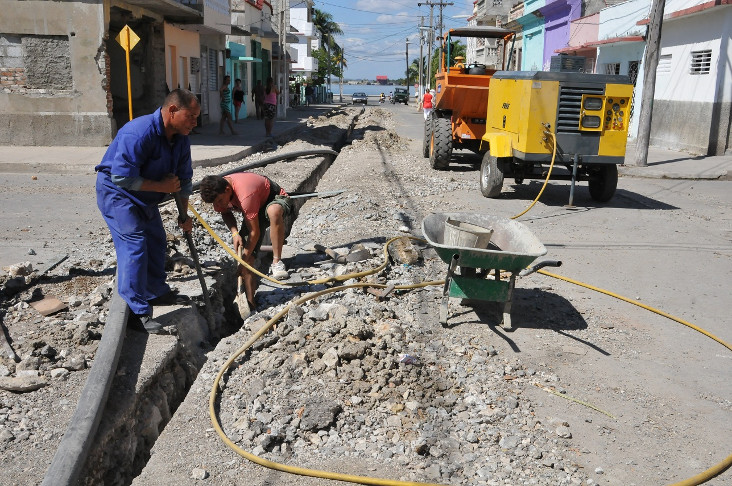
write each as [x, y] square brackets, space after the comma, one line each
[121, 445]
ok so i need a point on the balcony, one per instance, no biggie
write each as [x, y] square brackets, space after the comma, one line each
[183, 11]
[517, 11]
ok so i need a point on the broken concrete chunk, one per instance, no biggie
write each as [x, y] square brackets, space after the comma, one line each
[48, 305]
[22, 384]
[403, 252]
[19, 269]
[358, 255]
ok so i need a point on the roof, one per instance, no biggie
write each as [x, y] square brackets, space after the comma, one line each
[480, 31]
[690, 11]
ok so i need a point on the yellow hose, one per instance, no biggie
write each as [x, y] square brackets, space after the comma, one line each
[639, 304]
[548, 174]
[727, 462]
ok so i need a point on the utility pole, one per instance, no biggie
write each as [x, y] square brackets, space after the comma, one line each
[440, 27]
[340, 95]
[407, 55]
[653, 44]
[283, 22]
[421, 60]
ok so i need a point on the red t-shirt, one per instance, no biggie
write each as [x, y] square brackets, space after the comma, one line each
[427, 100]
[251, 192]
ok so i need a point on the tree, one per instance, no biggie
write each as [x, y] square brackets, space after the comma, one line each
[413, 73]
[328, 29]
[328, 64]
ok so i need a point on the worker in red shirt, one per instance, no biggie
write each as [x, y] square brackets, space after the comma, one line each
[427, 103]
[263, 203]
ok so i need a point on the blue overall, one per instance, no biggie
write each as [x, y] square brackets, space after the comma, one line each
[140, 150]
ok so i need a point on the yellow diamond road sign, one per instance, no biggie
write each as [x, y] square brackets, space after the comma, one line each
[122, 38]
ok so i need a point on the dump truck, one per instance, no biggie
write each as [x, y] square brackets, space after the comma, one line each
[458, 120]
[586, 115]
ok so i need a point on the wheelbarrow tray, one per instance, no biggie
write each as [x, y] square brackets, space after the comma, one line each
[518, 247]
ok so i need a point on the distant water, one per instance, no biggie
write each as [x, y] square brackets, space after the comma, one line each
[370, 90]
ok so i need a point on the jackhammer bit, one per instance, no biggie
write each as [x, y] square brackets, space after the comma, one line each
[182, 218]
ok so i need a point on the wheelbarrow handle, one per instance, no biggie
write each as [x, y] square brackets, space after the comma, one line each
[539, 266]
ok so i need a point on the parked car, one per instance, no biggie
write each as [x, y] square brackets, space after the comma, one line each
[360, 98]
[401, 95]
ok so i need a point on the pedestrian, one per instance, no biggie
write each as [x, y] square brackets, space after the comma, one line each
[149, 158]
[270, 105]
[258, 98]
[309, 92]
[263, 203]
[225, 95]
[238, 99]
[427, 103]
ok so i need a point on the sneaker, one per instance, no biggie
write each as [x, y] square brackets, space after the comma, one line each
[145, 323]
[279, 271]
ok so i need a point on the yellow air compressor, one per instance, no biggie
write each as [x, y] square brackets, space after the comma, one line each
[587, 113]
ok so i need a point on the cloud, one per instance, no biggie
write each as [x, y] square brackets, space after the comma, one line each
[397, 18]
[377, 5]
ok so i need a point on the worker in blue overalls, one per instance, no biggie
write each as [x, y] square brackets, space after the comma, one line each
[149, 158]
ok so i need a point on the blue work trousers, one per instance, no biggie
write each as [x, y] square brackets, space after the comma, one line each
[139, 240]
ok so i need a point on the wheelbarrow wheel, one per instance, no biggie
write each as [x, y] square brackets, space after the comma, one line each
[427, 136]
[440, 142]
[491, 175]
[603, 182]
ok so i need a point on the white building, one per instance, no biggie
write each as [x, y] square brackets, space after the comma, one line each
[307, 39]
[693, 93]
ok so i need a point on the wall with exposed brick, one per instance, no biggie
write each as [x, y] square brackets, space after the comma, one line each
[54, 73]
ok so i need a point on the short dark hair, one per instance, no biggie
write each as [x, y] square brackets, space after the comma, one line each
[182, 98]
[212, 186]
[237, 80]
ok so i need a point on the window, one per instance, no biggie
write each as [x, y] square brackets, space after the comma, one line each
[213, 71]
[701, 61]
[633, 71]
[612, 68]
[664, 64]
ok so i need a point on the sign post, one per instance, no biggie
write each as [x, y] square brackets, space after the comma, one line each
[128, 39]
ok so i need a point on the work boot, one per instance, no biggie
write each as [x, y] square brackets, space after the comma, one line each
[279, 271]
[170, 298]
[145, 323]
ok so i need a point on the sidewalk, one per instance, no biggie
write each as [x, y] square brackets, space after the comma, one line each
[207, 146]
[669, 164]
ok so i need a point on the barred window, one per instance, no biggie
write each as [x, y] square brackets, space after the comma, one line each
[213, 70]
[612, 68]
[701, 61]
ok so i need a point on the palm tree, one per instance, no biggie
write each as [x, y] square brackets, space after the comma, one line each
[328, 29]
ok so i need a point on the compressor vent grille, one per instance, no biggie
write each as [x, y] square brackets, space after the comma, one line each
[570, 105]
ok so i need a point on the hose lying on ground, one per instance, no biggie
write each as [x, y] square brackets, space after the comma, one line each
[218, 386]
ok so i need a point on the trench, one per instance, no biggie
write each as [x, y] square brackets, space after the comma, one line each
[143, 396]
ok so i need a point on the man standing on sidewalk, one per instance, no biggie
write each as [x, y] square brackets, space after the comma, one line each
[263, 204]
[149, 158]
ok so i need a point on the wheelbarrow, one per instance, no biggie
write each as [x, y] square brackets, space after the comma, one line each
[480, 251]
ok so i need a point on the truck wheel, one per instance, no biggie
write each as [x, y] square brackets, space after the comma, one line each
[603, 182]
[440, 142]
[427, 136]
[491, 175]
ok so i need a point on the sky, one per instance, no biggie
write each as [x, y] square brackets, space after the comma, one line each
[375, 32]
